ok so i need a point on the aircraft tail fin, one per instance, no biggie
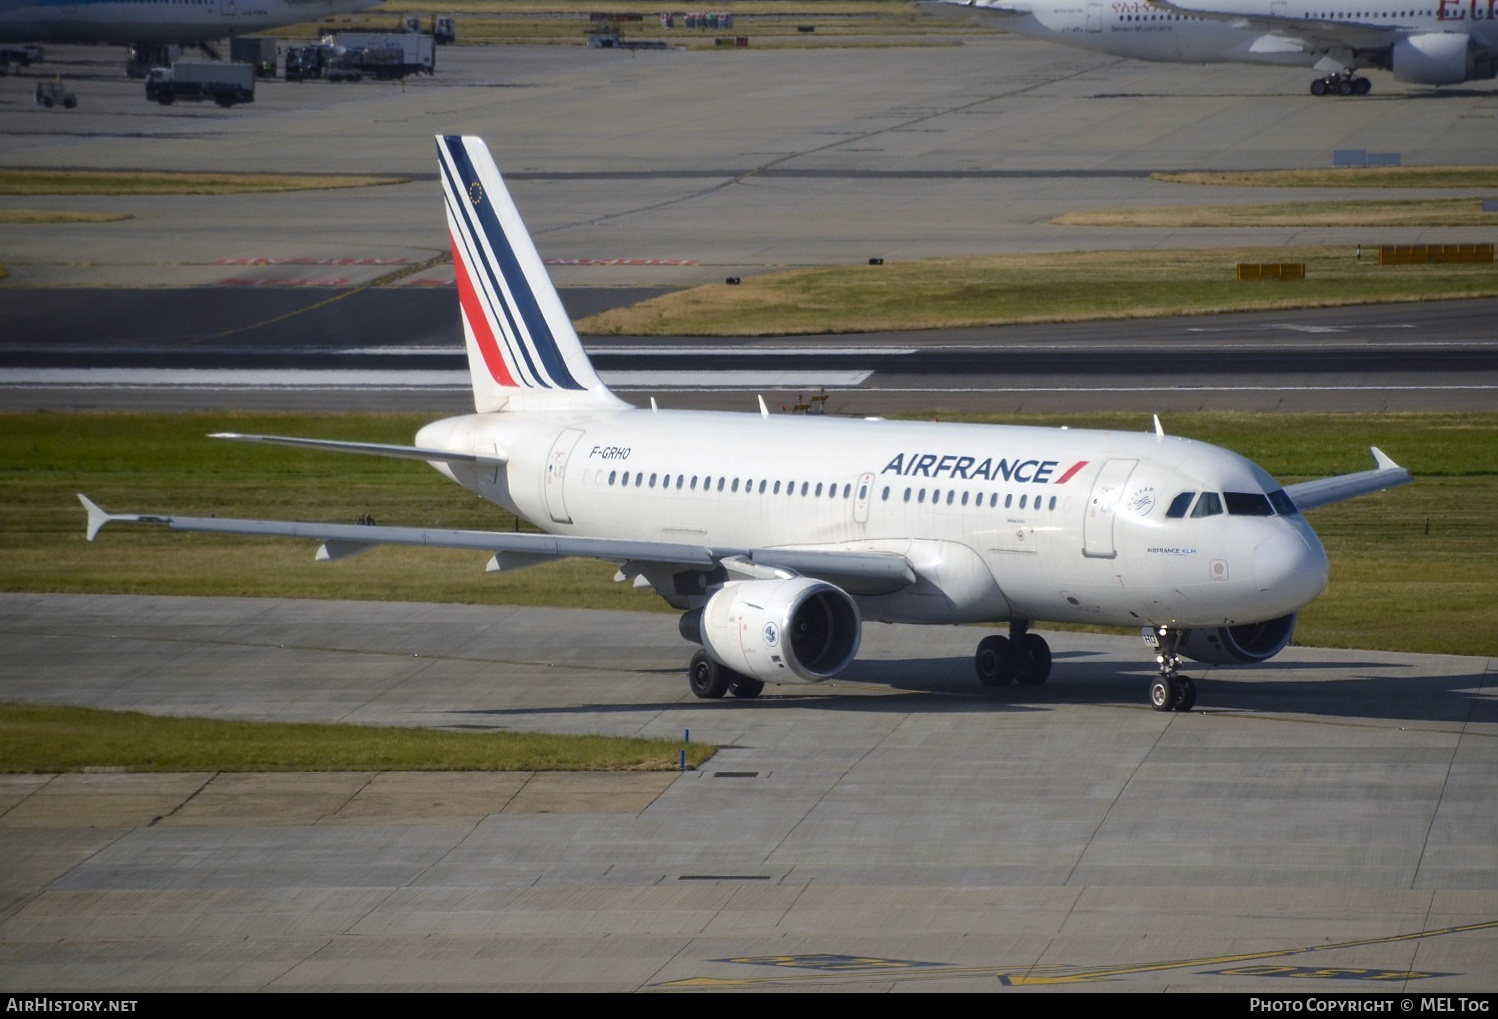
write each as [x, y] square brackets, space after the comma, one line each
[523, 353]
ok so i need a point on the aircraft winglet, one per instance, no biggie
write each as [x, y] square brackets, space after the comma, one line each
[97, 518]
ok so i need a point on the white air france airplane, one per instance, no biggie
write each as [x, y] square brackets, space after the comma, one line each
[1427, 42]
[778, 536]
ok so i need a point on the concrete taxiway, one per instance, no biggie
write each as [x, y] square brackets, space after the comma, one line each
[1322, 822]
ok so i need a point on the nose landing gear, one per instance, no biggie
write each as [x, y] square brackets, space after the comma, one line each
[1170, 691]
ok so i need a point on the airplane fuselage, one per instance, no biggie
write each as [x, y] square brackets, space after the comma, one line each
[1428, 41]
[998, 522]
[156, 22]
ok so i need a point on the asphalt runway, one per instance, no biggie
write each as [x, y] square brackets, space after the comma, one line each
[647, 172]
[1322, 823]
[374, 348]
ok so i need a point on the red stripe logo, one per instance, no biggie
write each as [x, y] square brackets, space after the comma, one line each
[1074, 468]
[478, 322]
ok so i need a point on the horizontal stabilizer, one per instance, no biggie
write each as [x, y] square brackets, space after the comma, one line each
[1310, 494]
[367, 448]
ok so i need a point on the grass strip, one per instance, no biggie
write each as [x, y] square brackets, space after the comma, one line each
[38, 738]
[12, 217]
[130, 182]
[1411, 570]
[767, 23]
[1004, 289]
[1416, 212]
[1345, 177]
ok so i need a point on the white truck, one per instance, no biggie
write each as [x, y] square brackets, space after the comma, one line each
[386, 54]
[225, 84]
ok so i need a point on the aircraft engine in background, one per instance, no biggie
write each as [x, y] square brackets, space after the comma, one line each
[1438, 58]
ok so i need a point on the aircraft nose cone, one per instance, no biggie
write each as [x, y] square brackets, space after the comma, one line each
[1289, 569]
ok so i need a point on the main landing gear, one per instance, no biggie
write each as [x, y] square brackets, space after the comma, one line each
[710, 680]
[1170, 691]
[1348, 84]
[1021, 657]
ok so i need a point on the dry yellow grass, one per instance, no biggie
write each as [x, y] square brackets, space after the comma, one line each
[1002, 289]
[1414, 212]
[124, 182]
[32, 216]
[1347, 177]
[767, 23]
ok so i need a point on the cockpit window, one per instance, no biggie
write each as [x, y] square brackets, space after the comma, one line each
[1209, 505]
[1179, 505]
[1248, 504]
[1282, 503]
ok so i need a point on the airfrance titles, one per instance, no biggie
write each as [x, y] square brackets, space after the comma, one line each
[970, 468]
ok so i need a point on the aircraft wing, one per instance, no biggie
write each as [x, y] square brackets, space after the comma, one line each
[1312, 33]
[368, 448]
[1310, 494]
[871, 571]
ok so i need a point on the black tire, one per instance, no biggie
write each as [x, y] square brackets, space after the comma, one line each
[744, 687]
[1163, 694]
[707, 678]
[994, 661]
[1344, 87]
[1318, 87]
[1361, 86]
[69, 103]
[1033, 659]
[47, 103]
[1185, 693]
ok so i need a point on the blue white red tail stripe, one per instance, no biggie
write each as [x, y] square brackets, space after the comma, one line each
[519, 337]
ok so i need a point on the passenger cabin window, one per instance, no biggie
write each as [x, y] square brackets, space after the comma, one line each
[1248, 504]
[1179, 505]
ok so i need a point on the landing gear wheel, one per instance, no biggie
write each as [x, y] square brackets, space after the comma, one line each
[1361, 86]
[1032, 659]
[1344, 87]
[1319, 87]
[994, 661]
[1164, 693]
[707, 678]
[1185, 693]
[744, 687]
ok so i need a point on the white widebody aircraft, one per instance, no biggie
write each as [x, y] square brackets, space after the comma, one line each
[778, 536]
[1427, 42]
[148, 26]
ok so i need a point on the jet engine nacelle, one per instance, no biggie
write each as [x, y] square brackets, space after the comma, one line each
[780, 631]
[1239, 645]
[1436, 58]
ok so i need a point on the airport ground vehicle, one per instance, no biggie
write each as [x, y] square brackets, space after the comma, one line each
[225, 84]
[257, 51]
[52, 93]
[352, 56]
[23, 55]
